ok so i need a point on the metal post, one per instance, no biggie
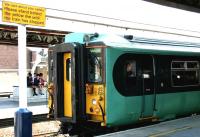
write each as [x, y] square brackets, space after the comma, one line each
[23, 117]
[22, 66]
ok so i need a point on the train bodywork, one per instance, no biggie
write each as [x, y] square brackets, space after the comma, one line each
[112, 81]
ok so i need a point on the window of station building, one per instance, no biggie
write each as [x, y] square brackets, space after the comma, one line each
[124, 75]
[95, 63]
[185, 73]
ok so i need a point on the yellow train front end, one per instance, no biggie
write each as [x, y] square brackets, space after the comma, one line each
[95, 102]
[77, 86]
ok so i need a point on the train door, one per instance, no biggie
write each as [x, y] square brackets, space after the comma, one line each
[148, 91]
[62, 66]
[67, 85]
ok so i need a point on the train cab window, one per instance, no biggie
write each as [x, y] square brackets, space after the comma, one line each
[94, 64]
[185, 73]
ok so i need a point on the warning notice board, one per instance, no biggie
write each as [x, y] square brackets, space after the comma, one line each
[23, 14]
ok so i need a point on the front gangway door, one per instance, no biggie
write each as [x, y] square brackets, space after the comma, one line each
[63, 78]
[67, 85]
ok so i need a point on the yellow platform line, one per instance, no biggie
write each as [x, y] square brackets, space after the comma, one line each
[170, 131]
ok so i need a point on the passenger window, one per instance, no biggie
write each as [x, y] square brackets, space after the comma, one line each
[131, 68]
[124, 75]
[184, 73]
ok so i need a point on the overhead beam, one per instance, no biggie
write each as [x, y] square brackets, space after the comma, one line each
[33, 38]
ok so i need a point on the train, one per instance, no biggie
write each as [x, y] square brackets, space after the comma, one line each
[106, 80]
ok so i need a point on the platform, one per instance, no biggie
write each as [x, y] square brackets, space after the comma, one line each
[183, 127]
[30, 97]
[9, 112]
[37, 105]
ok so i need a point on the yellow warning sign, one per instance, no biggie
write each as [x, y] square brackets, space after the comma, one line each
[23, 14]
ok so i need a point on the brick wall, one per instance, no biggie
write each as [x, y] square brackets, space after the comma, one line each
[8, 57]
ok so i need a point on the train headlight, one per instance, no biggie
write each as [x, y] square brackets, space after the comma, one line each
[94, 101]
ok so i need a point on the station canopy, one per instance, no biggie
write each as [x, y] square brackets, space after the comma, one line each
[190, 5]
[35, 37]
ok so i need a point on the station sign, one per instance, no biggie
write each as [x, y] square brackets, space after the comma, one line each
[23, 14]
